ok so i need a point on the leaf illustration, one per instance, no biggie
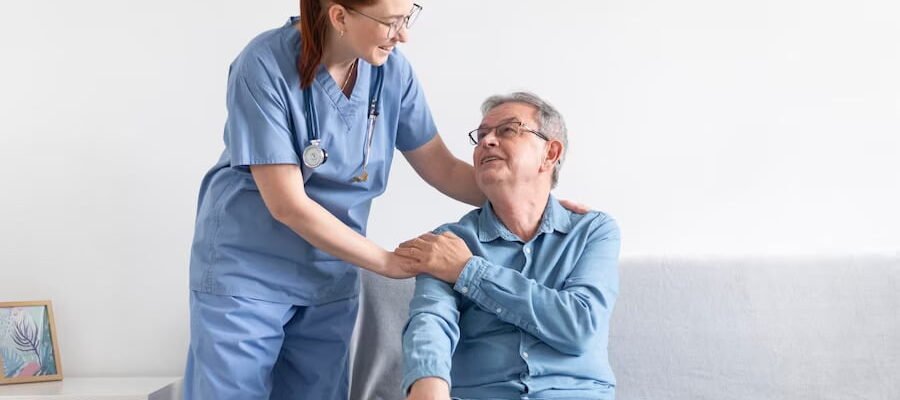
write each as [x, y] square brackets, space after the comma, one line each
[25, 337]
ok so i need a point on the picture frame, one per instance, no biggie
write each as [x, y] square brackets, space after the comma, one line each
[29, 349]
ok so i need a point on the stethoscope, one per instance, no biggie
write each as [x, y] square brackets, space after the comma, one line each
[314, 155]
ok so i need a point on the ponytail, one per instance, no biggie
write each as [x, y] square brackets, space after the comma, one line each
[313, 30]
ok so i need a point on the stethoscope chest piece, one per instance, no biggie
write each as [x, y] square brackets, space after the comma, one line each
[314, 155]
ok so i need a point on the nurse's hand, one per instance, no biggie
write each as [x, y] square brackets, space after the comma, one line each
[442, 256]
[574, 207]
[398, 267]
[429, 388]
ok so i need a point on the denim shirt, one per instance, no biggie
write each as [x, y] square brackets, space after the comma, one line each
[524, 320]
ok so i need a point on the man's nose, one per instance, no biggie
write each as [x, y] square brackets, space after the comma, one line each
[489, 140]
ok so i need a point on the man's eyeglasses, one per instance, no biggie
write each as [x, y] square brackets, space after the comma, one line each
[394, 27]
[506, 130]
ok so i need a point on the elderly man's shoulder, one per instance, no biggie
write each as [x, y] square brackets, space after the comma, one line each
[594, 222]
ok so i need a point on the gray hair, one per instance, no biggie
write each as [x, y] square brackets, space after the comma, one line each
[552, 123]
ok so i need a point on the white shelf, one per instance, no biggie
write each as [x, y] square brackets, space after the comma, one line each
[96, 389]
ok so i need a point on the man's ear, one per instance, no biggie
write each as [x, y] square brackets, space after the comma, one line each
[553, 153]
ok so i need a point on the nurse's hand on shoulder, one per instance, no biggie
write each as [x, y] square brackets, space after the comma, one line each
[442, 256]
[574, 207]
[429, 388]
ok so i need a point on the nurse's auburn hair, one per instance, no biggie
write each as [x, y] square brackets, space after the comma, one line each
[313, 31]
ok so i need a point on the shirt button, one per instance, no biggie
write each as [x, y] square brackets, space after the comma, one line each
[528, 250]
[499, 310]
[465, 289]
[524, 354]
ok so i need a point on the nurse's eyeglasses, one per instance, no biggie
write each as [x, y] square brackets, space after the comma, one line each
[394, 27]
[506, 130]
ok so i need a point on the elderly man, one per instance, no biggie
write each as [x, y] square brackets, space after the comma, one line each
[516, 297]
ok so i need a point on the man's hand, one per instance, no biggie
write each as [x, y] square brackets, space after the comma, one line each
[442, 256]
[429, 388]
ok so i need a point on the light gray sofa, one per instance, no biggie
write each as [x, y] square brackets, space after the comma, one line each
[711, 328]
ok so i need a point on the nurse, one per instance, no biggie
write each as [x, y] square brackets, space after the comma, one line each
[282, 214]
[315, 111]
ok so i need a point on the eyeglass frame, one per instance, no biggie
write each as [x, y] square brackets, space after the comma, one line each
[405, 20]
[522, 126]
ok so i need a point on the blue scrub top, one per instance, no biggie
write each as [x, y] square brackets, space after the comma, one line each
[239, 249]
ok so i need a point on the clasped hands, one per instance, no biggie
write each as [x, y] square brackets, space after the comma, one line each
[442, 256]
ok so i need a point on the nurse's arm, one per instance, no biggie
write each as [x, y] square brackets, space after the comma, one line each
[446, 173]
[281, 186]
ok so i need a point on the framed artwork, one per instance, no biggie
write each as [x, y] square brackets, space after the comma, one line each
[29, 351]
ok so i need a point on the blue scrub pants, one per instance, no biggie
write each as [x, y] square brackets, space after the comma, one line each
[256, 350]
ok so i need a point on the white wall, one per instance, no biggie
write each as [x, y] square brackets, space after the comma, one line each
[703, 126]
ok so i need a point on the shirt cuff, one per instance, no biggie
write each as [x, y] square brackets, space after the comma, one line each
[469, 280]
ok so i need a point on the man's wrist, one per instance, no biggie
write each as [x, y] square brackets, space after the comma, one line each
[430, 384]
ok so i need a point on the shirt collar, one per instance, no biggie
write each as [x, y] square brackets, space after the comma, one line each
[555, 217]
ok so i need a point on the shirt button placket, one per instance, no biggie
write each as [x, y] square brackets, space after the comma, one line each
[525, 376]
[527, 250]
